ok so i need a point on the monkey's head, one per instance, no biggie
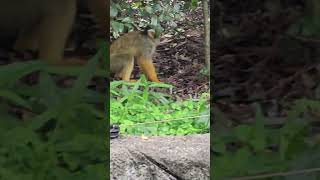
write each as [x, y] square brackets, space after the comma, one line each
[152, 34]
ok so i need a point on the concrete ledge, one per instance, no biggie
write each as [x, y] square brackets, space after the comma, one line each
[169, 157]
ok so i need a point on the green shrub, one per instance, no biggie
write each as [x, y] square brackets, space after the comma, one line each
[126, 15]
[64, 136]
[248, 150]
[132, 104]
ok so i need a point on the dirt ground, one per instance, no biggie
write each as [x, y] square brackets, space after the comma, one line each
[257, 61]
[180, 58]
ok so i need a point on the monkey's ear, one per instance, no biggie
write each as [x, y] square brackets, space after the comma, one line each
[151, 33]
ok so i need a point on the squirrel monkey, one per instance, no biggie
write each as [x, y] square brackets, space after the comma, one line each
[136, 45]
[45, 25]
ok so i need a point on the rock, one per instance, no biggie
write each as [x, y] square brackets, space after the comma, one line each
[160, 158]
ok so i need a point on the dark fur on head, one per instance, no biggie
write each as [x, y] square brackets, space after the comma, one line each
[149, 32]
[146, 29]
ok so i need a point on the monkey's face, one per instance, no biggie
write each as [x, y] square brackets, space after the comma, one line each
[155, 37]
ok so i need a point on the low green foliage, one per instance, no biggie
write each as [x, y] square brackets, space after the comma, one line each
[126, 15]
[136, 103]
[249, 150]
[309, 23]
[64, 137]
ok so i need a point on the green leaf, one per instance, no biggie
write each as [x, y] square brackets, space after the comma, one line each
[15, 98]
[9, 74]
[48, 92]
[259, 135]
[113, 11]
[80, 86]
[117, 26]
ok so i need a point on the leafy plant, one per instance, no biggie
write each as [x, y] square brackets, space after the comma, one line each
[63, 135]
[248, 150]
[132, 104]
[309, 23]
[129, 14]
